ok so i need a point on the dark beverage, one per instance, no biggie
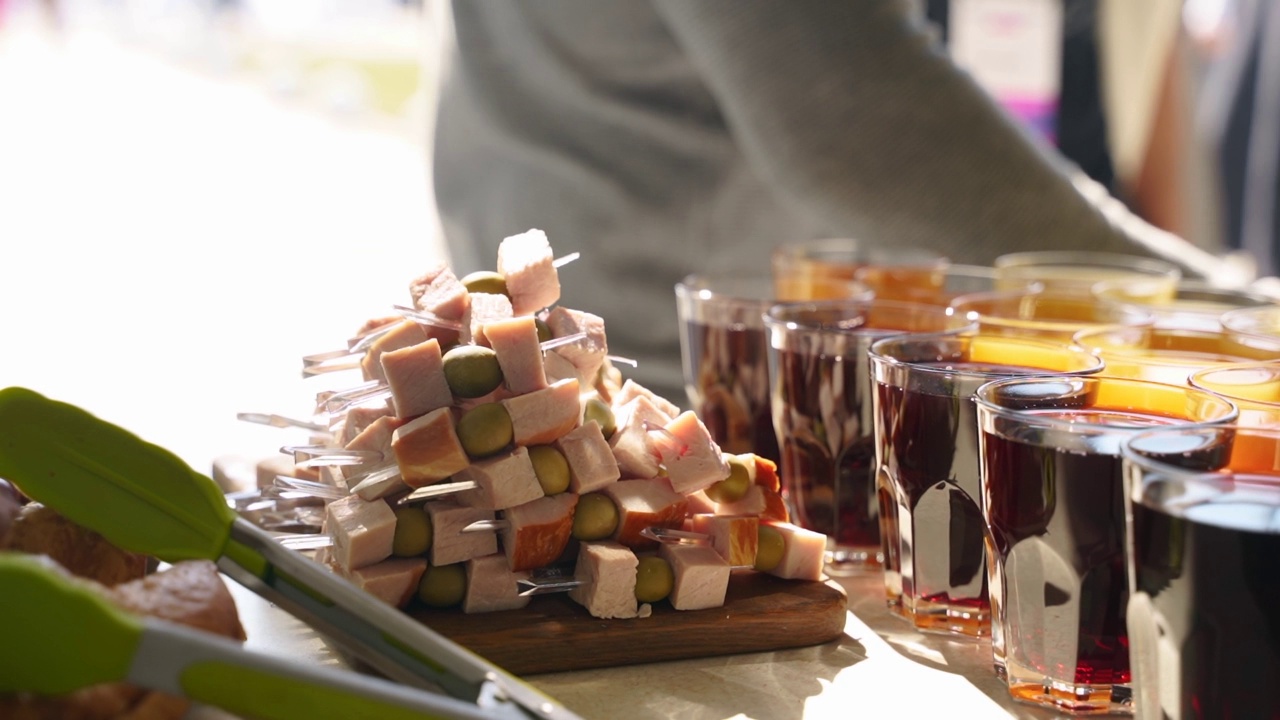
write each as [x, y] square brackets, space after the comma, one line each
[730, 390]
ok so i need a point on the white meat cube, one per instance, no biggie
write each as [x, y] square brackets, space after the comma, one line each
[538, 532]
[415, 375]
[362, 531]
[607, 572]
[631, 390]
[632, 443]
[405, 334]
[515, 341]
[393, 581]
[701, 576]
[591, 461]
[803, 553]
[485, 308]
[440, 292]
[642, 504]
[491, 586]
[448, 543]
[692, 458]
[539, 417]
[501, 482]
[427, 449]
[526, 263]
[588, 353]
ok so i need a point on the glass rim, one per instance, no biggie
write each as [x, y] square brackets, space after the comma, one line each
[773, 315]
[1227, 320]
[1193, 378]
[856, 250]
[1142, 317]
[1088, 258]
[876, 354]
[1194, 291]
[698, 286]
[981, 397]
[1175, 355]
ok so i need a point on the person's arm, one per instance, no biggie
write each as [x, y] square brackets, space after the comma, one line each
[851, 110]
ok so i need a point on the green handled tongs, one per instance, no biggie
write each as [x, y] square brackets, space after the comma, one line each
[60, 635]
[144, 499]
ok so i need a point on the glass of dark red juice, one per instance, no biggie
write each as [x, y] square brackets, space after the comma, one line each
[725, 355]
[1053, 499]
[926, 430]
[822, 411]
[1204, 571]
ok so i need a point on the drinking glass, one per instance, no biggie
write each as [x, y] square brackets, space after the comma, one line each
[822, 410]
[1054, 506]
[1253, 387]
[803, 271]
[1047, 315]
[724, 354]
[938, 287]
[926, 430]
[1195, 305]
[1254, 322]
[1169, 355]
[1203, 569]
[1076, 272]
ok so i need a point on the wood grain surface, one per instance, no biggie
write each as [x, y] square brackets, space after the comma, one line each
[555, 634]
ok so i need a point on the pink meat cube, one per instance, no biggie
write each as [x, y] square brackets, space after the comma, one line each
[515, 342]
[357, 418]
[362, 531]
[607, 572]
[491, 586]
[633, 443]
[448, 543]
[427, 449]
[541, 416]
[439, 292]
[485, 308]
[701, 576]
[557, 368]
[642, 504]
[803, 553]
[415, 375]
[393, 581]
[405, 334]
[591, 461]
[538, 532]
[377, 438]
[736, 538]
[692, 458]
[588, 353]
[501, 482]
[526, 262]
[631, 390]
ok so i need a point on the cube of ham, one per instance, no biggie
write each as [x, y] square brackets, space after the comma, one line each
[586, 354]
[537, 532]
[526, 263]
[448, 543]
[607, 573]
[641, 504]
[631, 390]
[485, 308]
[427, 449]
[405, 334]
[375, 438]
[759, 501]
[393, 581]
[491, 586]
[558, 368]
[735, 538]
[362, 531]
[501, 482]
[692, 458]
[701, 576]
[632, 443]
[357, 418]
[439, 292]
[591, 461]
[803, 552]
[542, 416]
[415, 375]
[515, 341]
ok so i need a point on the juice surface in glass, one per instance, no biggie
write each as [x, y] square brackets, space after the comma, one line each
[1170, 355]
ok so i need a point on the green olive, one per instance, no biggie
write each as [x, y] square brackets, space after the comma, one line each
[734, 487]
[443, 586]
[472, 371]
[654, 579]
[550, 467]
[544, 330]
[485, 281]
[413, 531]
[599, 410]
[485, 430]
[595, 518]
[770, 548]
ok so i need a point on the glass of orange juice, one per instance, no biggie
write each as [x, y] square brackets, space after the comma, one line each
[804, 270]
[1171, 355]
[1048, 315]
[1195, 305]
[1076, 272]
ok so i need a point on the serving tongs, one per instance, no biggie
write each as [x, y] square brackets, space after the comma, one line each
[146, 500]
[61, 635]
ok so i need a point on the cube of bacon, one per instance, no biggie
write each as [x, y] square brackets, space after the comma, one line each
[586, 354]
[642, 504]
[439, 292]
[632, 443]
[607, 572]
[538, 532]
[736, 538]
[406, 333]
[362, 531]
[542, 416]
[491, 586]
[701, 576]
[515, 342]
[526, 263]
[485, 308]
[448, 543]
[427, 449]
[415, 376]
[692, 458]
[591, 461]
[501, 482]
[393, 581]
[631, 390]
[803, 552]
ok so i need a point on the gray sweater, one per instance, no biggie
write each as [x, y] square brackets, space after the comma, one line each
[660, 138]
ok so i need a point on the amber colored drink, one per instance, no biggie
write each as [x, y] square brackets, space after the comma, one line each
[815, 269]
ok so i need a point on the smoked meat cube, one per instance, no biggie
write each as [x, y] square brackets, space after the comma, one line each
[641, 504]
[735, 537]
[427, 449]
[537, 532]
[542, 416]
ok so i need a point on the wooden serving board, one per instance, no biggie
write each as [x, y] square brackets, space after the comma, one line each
[554, 634]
